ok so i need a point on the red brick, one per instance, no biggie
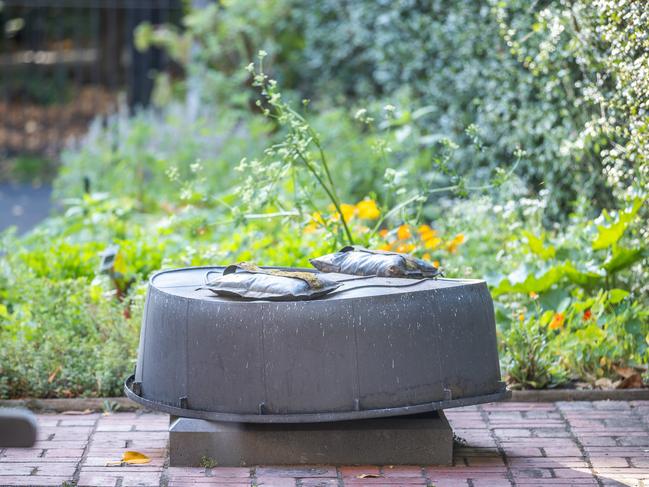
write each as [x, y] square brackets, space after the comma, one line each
[31, 480]
[320, 482]
[392, 482]
[402, 471]
[276, 481]
[298, 471]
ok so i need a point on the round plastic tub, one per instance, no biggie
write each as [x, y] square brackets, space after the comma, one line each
[382, 347]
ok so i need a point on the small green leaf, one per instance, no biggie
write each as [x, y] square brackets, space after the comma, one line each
[617, 295]
[610, 235]
[520, 281]
[623, 258]
[538, 247]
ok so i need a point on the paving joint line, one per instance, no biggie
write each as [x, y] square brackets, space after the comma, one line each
[84, 454]
[485, 419]
[339, 476]
[645, 427]
[164, 474]
[585, 455]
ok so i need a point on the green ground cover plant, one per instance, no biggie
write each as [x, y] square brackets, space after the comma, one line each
[512, 149]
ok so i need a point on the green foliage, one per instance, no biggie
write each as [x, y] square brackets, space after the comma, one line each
[140, 158]
[530, 360]
[458, 131]
[565, 81]
[77, 342]
[589, 254]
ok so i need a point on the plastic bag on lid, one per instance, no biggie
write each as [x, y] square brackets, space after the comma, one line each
[360, 261]
[248, 281]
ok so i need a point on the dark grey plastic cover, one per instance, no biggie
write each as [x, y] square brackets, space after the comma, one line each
[360, 261]
[402, 346]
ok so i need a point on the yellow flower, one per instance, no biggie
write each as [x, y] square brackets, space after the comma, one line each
[311, 227]
[348, 212]
[386, 246]
[426, 256]
[405, 248]
[432, 243]
[317, 218]
[557, 321]
[455, 243]
[403, 232]
[533, 295]
[368, 210]
[521, 317]
[436, 263]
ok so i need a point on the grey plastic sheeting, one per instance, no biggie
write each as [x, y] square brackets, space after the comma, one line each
[369, 352]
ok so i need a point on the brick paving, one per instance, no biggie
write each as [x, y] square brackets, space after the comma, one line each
[528, 444]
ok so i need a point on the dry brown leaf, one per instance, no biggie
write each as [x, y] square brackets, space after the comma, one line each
[78, 413]
[369, 476]
[632, 382]
[624, 372]
[53, 375]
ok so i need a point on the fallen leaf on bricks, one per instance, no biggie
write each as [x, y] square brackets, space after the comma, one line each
[368, 476]
[130, 458]
[77, 413]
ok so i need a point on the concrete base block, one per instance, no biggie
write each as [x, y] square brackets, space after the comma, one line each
[422, 439]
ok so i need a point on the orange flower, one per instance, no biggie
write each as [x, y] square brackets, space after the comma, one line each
[521, 317]
[367, 209]
[426, 232]
[386, 246]
[383, 232]
[436, 263]
[557, 321]
[533, 295]
[588, 314]
[403, 232]
[429, 237]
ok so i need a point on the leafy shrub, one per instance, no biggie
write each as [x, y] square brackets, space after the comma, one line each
[78, 342]
[564, 81]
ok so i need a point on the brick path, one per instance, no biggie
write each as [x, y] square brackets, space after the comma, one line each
[578, 443]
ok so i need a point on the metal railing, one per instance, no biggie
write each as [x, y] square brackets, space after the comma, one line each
[63, 62]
